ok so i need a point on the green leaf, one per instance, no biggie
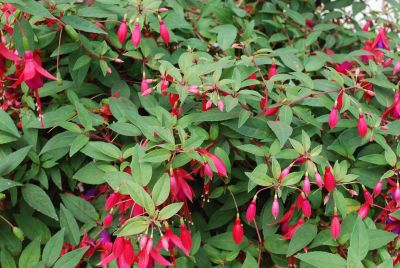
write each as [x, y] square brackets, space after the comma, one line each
[90, 174]
[359, 242]
[7, 184]
[81, 62]
[71, 259]
[78, 143]
[68, 222]
[296, 16]
[169, 211]
[161, 190]
[11, 161]
[157, 156]
[6, 259]
[140, 196]
[30, 256]
[249, 262]
[82, 24]
[291, 61]
[259, 175]
[84, 116]
[39, 200]
[80, 208]
[53, 248]
[226, 35]
[303, 236]
[7, 124]
[281, 130]
[292, 178]
[322, 259]
[134, 226]
[379, 238]
[102, 151]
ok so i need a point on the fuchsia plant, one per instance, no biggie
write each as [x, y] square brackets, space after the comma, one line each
[161, 133]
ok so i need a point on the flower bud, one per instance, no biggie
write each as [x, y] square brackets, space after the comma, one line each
[136, 35]
[186, 238]
[329, 179]
[367, 196]
[122, 32]
[143, 241]
[164, 32]
[333, 118]
[318, 179]
[251, 210]
[2, 196]
[396, 194]
[335, 226]
[306, 207]
[363, 211]
[220, 105]
[193, 89]
[378, 188]
[396, 67]
[164, 243]
[306, 185]
[71, 32]
[108, 220]
[275, 207]
[237, 231]
[362, 126]
[272, 71]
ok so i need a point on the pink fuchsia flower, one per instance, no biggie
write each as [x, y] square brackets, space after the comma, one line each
[186, 238]
[220, 105]
[108, 220]
[164, 32]
[291, 230]
[362, 126]
[333, 118]
[305, 206]
[272, 71]
[318, 179]
[7, 54]
[148, 255]
[306, 185]
[381, 40]
[366, 26]
[335, 226]
[123, 252]
[170, 240]
[396, 194]
[329, 179]
[180, 189]
[285, 172]
[367, 196]
[144, 86]
[363, 211]
[193, 89]
[275, 207]
[396, 68]
[251, 210]
[237, 231]
[378, 188]
[217, 162]
[122, 31]
[136, 34]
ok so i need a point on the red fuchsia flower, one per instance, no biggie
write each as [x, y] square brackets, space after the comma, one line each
[220, 105]
[136, 34]
[366, 26]
[122, 31]
[396, 68]
[387, 62]
[251, 210]
[193, 89]
[396, 194]
[174, 102]
[237, 231]
[180, 189]
[148, 255]
[164, 87]
[335, 226]
[6, 54]
[164, 32]
[318, 179]
[275, 207]
[367, 196]
[252, 77]
[108, 220]
[333, 118]
[363, 211]
[306, 207]
[381, 40]
[310, 23]
[306, 185]
[272, 71]
[170, 240]
[329, 179]
[378, 188]
[206, 105]
[218, 164]
[292, 229]
[186, 238]
[285, 172]
[111, 201]
[144, 86]
[343, 67]
[362, 126]
[122, 251]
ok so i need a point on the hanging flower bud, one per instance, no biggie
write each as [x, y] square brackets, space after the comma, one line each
[162, 9]
[108, 220]
[366, 26]
[318, 179]
[251, 210]
[305, 206]
[186, 239]
[378, 188]
[285, 172]
[396, 68]
[208, 104]
[18, 233]
[164, 32]
[272, 71]
[136, 34]
[193, 89]
[164, 242]
[362, 126]
[144, 86]
[367, 196]
[306, 185]
[220, 105]
[329, 179]
[237, 230]
[275, 207]
[111, 201]
[143, 241]
[363, 211]
[387, 62]
[333, 118]
[335, 226]
[396, 194]
[122, 31]
[339, 101]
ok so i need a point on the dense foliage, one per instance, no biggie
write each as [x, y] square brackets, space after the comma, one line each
[199, 134]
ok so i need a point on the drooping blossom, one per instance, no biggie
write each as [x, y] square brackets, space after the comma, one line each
[396, 67]
[148, 255]
[164, 32]
[335, 226]
[275, 207]
[362, 126]
[333, 117]
[144, 86]
[136, 35]
[367, 196]
[318, 179]
[306, 207]
[364, 209]
[380, 40]
[378, 188]
[123, 252]
[329, 179]
[366, 26]
[272, 71]
[306, 185]
[170, 240]
[292, 229]
[180, 189]
[217, 163]
[251, 210]
[220, 105]
[237, 231]
[186, 238]
[107, 221]
[194, 89]
[122, 31]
